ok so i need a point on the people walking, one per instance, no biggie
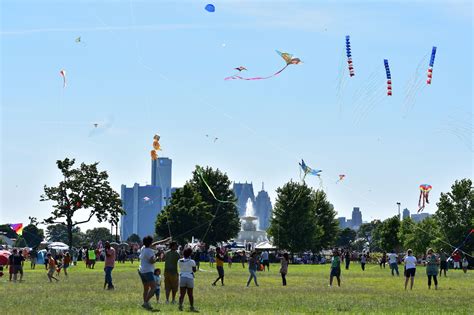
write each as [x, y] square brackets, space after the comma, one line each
[109, 265]
[393, 263]
[146, 270]
[253, 265]
[335, 268]
[220, 257]
[348, 258]
[432, 268]
[266, 260]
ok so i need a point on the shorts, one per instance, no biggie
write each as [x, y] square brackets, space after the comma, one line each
[33, 260]
[19, 269]
[11, 269]
[147, 277]
[91, 261]
[51, 271]
[171, 281]
[186, 283]
[220, 271]
[66, 266]
[410, 272]
[266, 263]
[335, 272]
[443, 265]
[157, 292]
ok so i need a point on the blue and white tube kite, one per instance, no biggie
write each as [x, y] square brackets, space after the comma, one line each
[430, 68]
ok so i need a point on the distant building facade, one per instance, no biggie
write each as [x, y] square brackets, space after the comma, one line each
[356, 221]
[418, 217]
[406, 213]
[342, 222]
[142, 204]
[261, 204]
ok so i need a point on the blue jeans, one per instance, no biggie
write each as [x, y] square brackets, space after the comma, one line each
[108, 276]
[394, 266]
[253, 274]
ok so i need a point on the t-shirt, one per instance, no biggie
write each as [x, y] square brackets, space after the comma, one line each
[363, 259]
[157, 281]
[110, 257]
[392, 258]
[219, 260]
[186, 267]
[265, 255]
[91, 254]
[171, 261]
[145, 255]
[410, 262]
[335, 262]
[442, 257]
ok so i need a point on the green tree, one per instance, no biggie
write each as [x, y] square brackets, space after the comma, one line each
[366, 231]
[59, 233]
[83, 188]
[134, 238]
[32, 235]
[20, 243]
[98, 234]
[385, 234]
[293, 225]
[420, 236]
[325, 220]
[193, 210]
[455, 214]
[346, 237]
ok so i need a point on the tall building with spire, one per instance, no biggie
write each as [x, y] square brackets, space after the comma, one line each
[263, 208]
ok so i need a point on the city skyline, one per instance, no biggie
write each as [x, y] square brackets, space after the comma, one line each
[120, 92]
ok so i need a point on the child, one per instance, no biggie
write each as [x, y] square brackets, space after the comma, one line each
[363, 260]
[335, 268]
[66, 262]
[284, 267]
[157, 276]
[465, 264]
[52, 268]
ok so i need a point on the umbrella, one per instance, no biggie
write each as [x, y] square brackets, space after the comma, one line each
[58, 246]
[4, 254]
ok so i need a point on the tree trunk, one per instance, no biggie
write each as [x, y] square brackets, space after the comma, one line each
[69, 232]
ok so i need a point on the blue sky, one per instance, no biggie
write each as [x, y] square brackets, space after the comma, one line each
[146, 67]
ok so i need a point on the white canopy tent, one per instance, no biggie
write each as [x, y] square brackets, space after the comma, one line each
[265, 245]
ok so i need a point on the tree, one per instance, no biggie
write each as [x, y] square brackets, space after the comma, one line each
[32, 235]
[20, 243]
[83, 188]
[134, 238]
[346, 237]
[95, 235]
[293, 225]
[366, 231]
[455, 214]
[193, 210]
[59, 233]
[416, 236]
[386, 234]
[325, 219]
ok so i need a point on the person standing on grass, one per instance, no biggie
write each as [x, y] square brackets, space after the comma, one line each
[265, 260]
[432, 268]
[229, 259]
[285, 260]
[171, 272]
[410, 269]
[33, 258]
[243, 257]
[187, 268]
[212, 255]
[11, 266]
[363, 261]
[393, 263]
[335, 268]
[19, 264]
[92, 257]
[348, 258]
[220, 266]
[51, 267]
[146, 270]
[443, 262]
[253, 265]
[383, 261]
[157, 276]
[457, 260]
[66, 262]
[465, 264]
[109, 265]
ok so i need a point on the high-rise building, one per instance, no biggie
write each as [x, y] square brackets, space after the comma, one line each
[406, 213]
[263, 208]
[243, 191]
[342, 222]
[356, 218]
[161, 177]
[142, 205]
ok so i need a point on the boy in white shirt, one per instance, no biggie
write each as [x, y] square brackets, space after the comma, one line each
[187, 268]
[393, 262]
[410, 268]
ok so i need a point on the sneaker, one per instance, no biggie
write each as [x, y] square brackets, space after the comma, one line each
[167, 302]
[180, 307]
[147, 306]
[213, 284]
[193, 310]
[173, 302]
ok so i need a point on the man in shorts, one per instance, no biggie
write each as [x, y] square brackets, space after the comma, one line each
[265, 260]
[171, 272]
[33, 257]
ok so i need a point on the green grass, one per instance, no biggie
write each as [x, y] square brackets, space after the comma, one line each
[372, 291]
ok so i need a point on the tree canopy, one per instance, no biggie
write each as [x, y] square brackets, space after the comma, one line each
[83, 188]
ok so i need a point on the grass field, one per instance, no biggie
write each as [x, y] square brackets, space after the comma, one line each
[372, 291]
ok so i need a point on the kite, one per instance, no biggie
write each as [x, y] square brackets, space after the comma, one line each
[430, 68]
[210, 8]
[17, 227]
[240, 68]
[146, 199]
[199, 172]
[215, 138]
[389, 77]
[78, 40]
[424, 194]
[63, 74]
[308, 170]
[156, 147]
[341, 177]
[286, 56]
[349, 56]
[96, 125]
